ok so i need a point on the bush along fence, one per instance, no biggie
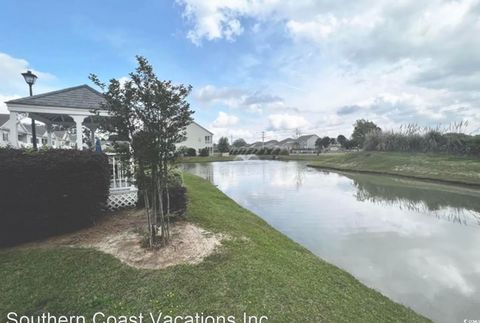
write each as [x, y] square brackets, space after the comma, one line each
[412, 139]
[50, 192]
[258, 151]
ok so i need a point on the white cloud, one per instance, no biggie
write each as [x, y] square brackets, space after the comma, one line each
[237, 98]
[12, 84]
[408, 61]
[286, 121]
[225, 120]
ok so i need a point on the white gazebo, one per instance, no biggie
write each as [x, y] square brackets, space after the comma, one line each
[72, 106]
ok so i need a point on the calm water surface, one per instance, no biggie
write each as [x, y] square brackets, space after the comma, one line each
[416, 242]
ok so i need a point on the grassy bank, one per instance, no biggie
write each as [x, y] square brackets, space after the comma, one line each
[446, 168]
[206, 159]
[258, 271]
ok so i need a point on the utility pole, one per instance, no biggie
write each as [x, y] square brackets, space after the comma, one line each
[297, 133]
[263, 139]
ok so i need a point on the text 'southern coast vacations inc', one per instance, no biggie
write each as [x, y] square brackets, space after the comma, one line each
[100, 317]
[247, 161]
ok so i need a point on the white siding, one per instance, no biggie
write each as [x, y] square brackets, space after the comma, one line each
[197, 138]
[3, 133]
[311, 142]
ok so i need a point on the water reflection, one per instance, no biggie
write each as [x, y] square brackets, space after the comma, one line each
[415, 242]
[459, 205]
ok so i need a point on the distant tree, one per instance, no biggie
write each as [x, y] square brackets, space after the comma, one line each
[325, 141]
[318, 145]
[361, 128]
[349, 144]
[341, 139]
[239, 143]
[223, 145]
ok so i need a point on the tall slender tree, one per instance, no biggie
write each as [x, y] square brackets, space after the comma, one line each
[152, 114]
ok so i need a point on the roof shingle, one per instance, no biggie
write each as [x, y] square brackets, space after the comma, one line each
[78, 97]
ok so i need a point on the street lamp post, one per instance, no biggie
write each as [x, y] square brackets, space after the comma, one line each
[30, 78]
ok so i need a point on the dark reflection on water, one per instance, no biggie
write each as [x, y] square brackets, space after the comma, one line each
[424, 198]
[416, 242]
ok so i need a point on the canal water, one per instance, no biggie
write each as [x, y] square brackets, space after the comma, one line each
[415, 242]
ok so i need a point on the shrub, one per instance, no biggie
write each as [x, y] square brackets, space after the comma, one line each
[203, 152]
[186, 151]
[276, 151]
[413, 139]
[177, 194]
[50, 192]
[191, 152]
[284, 152]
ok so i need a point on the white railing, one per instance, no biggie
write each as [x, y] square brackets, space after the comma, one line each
[123, 192]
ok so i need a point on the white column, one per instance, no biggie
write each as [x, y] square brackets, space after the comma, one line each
[78, 122]
[49, 135]
[13, 135]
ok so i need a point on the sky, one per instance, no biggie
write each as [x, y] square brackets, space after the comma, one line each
[281, 67]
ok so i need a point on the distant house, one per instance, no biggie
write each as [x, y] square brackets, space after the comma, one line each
[23, 136]
[4, 131]
[267, 144]
[197, 137]
[306, 141]
[288, 144]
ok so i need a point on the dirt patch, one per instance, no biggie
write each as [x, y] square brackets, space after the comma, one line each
[120, 236]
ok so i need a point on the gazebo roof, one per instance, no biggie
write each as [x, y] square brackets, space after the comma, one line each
[78, 97]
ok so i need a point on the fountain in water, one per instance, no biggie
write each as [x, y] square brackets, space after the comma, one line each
[246, 157]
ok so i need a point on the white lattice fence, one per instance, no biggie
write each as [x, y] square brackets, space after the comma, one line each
[122, 198]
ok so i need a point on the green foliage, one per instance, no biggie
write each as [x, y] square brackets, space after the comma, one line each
[186, 151]
[284, 152]
[50, 192]
[411, 138]
[342, 140]
[223, 145]
[361, 128]
[204, 152]
[153, 115]
[239, 143]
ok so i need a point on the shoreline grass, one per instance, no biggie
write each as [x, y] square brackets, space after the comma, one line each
[442, 168]
[205, 159]
[258, 270]
[448, 169]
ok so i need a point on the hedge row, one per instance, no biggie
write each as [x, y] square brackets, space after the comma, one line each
[258, 151]
[431, 141]
[50, 192]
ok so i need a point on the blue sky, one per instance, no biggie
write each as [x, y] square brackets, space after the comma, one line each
[262, 65]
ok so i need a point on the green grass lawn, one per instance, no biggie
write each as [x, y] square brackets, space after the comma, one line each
[446, 168]
[206, 159]
[258, 271]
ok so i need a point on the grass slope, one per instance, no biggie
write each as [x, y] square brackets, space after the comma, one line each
[258, 271]
[447, 168]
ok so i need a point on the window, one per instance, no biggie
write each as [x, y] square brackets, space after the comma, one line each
[208, 139]
[5, 136]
